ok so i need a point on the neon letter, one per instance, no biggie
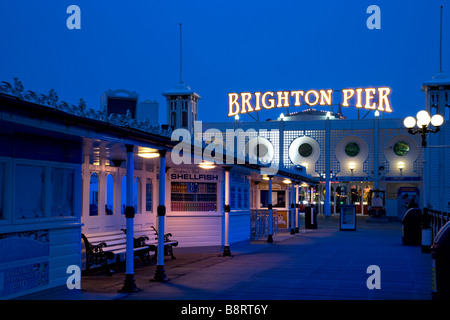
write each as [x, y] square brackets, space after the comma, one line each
[233, 101]
[348, 93]
[369, 96]
[283, 96]
[246, 96]
[257, 101]
[325, 97]
[297, 95]
[272, 101]
[383, 99]
[358, 98]
[316, 94]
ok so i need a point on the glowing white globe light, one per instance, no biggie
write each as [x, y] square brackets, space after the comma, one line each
[423, 118]
[409, 122]
[437, 120]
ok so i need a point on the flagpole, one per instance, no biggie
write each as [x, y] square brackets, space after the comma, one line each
[181, 58]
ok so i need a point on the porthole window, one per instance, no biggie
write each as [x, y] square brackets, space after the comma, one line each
[305, 150]
[352, 149]
[261, 150]
[401, 148]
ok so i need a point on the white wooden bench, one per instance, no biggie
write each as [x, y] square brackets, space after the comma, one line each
[150, 238]
[101, 247]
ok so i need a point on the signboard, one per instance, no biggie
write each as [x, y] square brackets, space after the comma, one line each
[367, 98]
[401, 179]
[348, 217]
[24, 263]
[350, 178]
[197, 175]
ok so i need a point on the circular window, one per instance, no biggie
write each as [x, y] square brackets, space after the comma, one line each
[352, 149]
[261, 150]
[305, 150]
[401, 148]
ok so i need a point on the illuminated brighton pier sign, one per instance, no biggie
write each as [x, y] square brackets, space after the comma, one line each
[365, 98]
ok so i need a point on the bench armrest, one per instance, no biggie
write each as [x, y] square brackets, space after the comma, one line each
[140, 241]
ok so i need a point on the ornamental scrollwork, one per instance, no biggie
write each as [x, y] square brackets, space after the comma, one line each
[51, 100]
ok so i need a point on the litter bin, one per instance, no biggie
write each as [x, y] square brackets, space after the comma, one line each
[440, 264]
[412, 227]
[310, 217]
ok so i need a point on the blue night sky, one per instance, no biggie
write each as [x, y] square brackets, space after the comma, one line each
[228, 46]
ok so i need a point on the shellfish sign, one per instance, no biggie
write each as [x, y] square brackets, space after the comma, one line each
[364, 98]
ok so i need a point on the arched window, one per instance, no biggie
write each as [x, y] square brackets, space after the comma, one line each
[123, 195]
[93, 195]
[148, 196]
[173, 119]
[184, 119]
[109, 207]
[137, 195]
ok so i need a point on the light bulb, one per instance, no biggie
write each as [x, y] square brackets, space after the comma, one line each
[423, 118]
[437, 120]
[409, 122]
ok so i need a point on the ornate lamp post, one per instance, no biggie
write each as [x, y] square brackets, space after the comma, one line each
[423, 121]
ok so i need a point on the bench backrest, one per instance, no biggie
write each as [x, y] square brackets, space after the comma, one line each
[149, 233]
[116, 240]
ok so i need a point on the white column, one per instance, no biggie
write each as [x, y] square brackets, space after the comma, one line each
[292, 208]
[362, 198]
[129, 284]
[327, 202]
[226, 250]
[296, 208]
[270, 235]
[425, 180]
[86, 177]
[335, 202]
[376, 153]
[160, 274]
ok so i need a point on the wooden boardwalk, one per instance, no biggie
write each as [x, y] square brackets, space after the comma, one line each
[321, 264]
